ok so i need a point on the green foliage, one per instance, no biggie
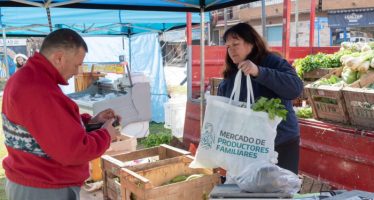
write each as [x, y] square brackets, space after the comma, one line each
[153, 140]
[348, 75]
[304, 112]
[327, 81]
[158, 134]
[320, 60]
[273, 107]
[156, 128]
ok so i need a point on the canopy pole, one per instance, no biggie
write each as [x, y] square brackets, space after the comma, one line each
[311, 25]
[202, 66]
[49, 18]
[130, 60]
[5, 53]
[297, 22]
[189, 55]
[286, 29]
[263, 18]
[4, 47]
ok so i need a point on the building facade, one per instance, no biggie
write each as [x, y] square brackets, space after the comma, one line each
[335, 21]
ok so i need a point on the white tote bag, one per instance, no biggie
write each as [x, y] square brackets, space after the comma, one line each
[233, 135]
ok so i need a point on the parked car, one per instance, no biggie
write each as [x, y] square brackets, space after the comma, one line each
[361, 39]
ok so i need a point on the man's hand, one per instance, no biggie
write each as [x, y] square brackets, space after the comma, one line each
[104, 116]
[249, 68]
[113, 132]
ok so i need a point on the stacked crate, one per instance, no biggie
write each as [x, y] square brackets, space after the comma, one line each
[214, 83]
[151, 182]
[327, 101]
[309, 77]
[112, 165]
[360, 102]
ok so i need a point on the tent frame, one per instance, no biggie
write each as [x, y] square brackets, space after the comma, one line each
[189, 8]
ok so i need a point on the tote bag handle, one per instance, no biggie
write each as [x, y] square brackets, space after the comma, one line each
[236, 90]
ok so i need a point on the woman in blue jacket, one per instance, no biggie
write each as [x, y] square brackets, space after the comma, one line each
[272, 77]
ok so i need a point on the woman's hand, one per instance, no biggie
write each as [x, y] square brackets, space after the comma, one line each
[104, 116]
[249, 68]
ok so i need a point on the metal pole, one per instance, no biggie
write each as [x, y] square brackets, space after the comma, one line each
[129, 34]
[318, 29]
[263, 18]
[49, 19]
[4, 46]
[225, 18]
[202, 67]
[297, 21]
[5, 52]
[286, 28]
[189, 55]
[312, 16]
[208, 26]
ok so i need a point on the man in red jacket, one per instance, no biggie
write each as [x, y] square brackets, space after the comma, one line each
[48, 146]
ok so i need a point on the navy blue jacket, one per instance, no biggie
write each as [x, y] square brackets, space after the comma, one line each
[276, 79]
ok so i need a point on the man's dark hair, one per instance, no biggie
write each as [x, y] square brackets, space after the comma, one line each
[62, 39]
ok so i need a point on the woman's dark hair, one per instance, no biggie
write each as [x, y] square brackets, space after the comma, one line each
[62, 39]
[249, 35]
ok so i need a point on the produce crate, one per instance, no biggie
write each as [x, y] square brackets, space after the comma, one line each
[123, 144]
[150, 182]
[112, 164]
[214, 82]
[83, 80]
[317, 74]
[327, 101]
[360, 102]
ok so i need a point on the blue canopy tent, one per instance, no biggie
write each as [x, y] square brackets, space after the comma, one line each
[32, 21]
[28, 21]
[149, 5]
[155, 5]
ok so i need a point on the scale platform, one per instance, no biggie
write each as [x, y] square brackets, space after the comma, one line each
[232, 191]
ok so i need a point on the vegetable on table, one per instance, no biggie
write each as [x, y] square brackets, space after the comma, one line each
[304, 112]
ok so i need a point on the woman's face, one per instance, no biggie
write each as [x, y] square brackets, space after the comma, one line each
[20, 60]
[238, 49]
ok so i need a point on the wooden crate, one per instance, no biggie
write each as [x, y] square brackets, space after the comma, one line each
[311, 185]
[317, 74]
[355, 96]
[335, 110]
[85, 79]
[123, 144]
[214, 82]
[112, 164]
[147, 182]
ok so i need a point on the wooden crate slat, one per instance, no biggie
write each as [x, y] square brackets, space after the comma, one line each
[317, 73]
[214, 83]
[336, 111]
[112, 165]
[355, 96]
[194, 189]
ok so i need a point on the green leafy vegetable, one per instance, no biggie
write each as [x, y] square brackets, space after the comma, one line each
[273, 107]
[348, 75]
[327, 81]
[153, 140]
[320, 60]
[304, 112]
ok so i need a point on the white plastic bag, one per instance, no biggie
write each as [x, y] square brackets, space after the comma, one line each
[234, 136]
[264, 177]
